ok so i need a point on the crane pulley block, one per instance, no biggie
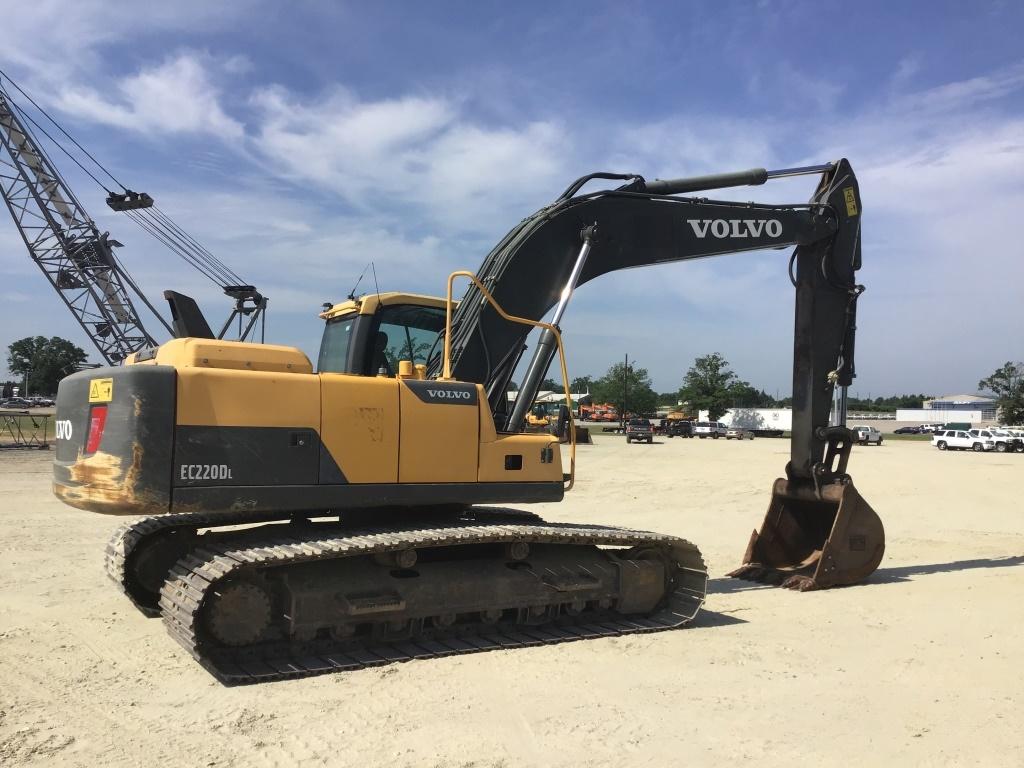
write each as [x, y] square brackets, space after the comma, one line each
[129, 201]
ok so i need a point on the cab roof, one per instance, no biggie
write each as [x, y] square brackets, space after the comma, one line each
[369, 303]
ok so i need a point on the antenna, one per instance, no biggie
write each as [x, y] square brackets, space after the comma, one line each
[352, 293]
[374, 268]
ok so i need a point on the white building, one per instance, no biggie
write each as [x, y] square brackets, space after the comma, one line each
[951, 408]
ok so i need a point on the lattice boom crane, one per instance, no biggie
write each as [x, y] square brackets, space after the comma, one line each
[66, 244]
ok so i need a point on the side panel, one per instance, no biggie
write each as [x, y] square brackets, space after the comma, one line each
[360, 429]
[219, 397]
[245, 456]
[239, 427]
[521, 458]
[440, 432]
[129, 472]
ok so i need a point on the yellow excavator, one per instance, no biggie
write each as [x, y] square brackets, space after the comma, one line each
[298, 520]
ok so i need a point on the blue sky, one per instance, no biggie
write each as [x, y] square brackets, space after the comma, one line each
[298, 141]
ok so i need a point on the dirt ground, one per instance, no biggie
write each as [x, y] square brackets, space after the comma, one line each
[922, 665]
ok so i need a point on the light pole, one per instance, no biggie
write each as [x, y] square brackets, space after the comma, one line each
[625, 389]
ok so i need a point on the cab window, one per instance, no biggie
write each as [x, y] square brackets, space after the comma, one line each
[405, 332]
[334, 345]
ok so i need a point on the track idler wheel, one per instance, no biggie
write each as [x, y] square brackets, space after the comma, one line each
[814, 541]
[151, 561]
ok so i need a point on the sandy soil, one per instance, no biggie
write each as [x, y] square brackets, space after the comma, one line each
[921, 665]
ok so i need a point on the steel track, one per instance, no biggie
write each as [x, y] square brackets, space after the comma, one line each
[195, 578]
[126, 540]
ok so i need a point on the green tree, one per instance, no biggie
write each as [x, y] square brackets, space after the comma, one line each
[582, 384]
[43, 362]
[708, 385]
[550, 385]
[1007, 384]
[632, 389]
[742, 395]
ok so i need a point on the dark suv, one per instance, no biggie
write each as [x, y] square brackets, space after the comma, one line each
[677, 428]
[639, 429]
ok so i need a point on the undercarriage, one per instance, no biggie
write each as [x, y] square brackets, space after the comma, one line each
[306, 597]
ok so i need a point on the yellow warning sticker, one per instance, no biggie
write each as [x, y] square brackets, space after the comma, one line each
[851, 201]
[101, 390]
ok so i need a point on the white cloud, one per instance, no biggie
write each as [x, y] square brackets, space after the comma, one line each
[51, 42]
[427, 185]
[907, 69]
[176, 96]
[411, 150]
[965, 94]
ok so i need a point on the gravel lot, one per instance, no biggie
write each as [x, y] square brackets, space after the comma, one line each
[921, 665]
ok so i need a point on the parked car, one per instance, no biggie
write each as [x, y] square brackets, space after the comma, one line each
[866, 435]
[715, 429]
[1005, 442]
[739, 433]
[677, 428]
[908, 431]
[16, 402]
[639, 429]
[961, 440]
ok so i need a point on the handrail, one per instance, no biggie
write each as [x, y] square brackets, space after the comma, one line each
[447, 373]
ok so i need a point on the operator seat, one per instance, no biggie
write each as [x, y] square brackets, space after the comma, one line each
[380, 358]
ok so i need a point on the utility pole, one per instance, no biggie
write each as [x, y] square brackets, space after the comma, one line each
[625, 389]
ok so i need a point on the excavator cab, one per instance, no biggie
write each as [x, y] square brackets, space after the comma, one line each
[370, 335]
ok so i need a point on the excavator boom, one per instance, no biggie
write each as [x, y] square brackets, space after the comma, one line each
[641, 223]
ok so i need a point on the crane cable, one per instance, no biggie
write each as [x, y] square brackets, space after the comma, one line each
[151, 220]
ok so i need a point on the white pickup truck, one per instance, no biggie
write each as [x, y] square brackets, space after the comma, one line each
[961, 439]
[1005, 440]
[866, 435]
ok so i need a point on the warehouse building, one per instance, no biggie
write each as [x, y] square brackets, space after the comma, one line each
[957, 408]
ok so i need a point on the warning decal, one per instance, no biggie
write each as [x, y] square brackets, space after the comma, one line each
[101, 390]
[851, 201]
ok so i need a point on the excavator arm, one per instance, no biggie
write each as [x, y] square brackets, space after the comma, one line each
[819, 532]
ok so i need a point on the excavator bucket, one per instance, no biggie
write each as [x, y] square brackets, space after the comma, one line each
[814, 539]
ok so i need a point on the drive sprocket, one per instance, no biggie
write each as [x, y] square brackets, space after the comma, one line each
[239, 613]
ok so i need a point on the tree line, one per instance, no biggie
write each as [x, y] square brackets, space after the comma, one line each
[711, 385]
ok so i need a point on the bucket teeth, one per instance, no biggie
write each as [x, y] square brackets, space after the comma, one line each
[800, 583]
[748, 573]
